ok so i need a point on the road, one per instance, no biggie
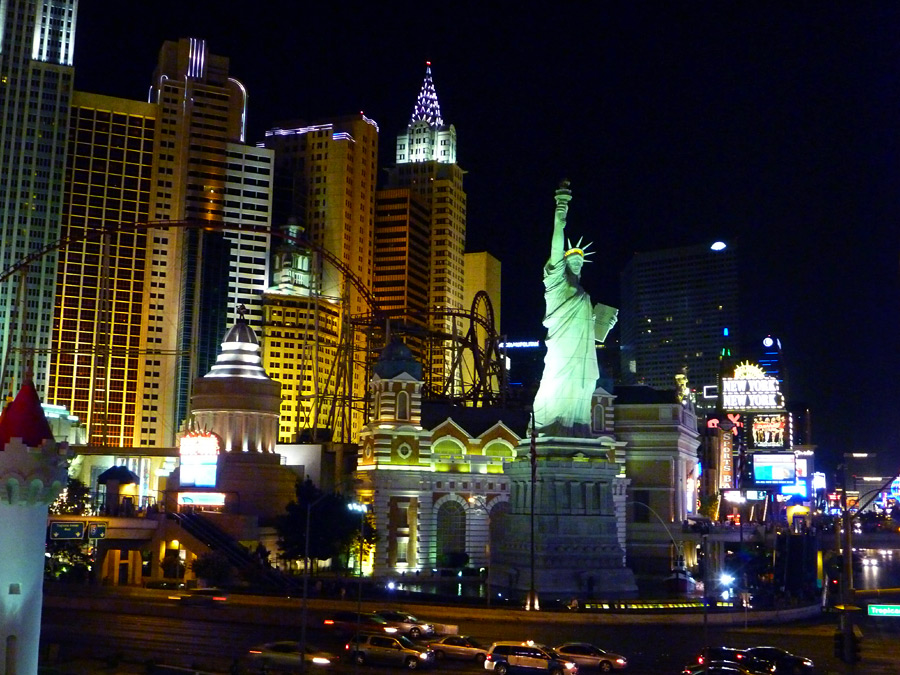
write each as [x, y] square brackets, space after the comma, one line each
[142, 626]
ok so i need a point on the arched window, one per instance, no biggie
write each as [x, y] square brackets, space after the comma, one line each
[451, 535]
[599, 418]
[403, 405]
[497, 449]
[377, 405]
[499, 513]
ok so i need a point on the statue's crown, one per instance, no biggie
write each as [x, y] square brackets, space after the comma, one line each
[578, 249]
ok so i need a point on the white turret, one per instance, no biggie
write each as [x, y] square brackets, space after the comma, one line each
[32, 474]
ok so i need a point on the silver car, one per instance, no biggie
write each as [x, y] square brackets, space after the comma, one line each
[407, 623]
[286, 654]
[591, 657]
[460, 647]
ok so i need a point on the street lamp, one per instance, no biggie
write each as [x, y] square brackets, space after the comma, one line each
[306, 583]
[362, 509]
[847, 591]
[532, 602]
[480, 502]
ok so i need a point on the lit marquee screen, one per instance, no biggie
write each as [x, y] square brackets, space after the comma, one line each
[774, 468]
[199, 458]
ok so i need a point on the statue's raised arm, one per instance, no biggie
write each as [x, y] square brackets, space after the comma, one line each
[562, 406]
[557, 243]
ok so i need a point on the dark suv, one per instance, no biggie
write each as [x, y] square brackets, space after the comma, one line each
[526, 657]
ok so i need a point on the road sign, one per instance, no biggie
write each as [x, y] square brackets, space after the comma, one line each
[97, 530]
[66, 530]
[884, 610]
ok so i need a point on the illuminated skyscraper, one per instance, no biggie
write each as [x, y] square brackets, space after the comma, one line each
[36, 46]
[199, 279]
[97, 363]
[402, 257]
[325, 177]
[426, 164]
[302, 331]
[675, 305]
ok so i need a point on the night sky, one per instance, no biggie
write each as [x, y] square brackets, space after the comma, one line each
[677, 123]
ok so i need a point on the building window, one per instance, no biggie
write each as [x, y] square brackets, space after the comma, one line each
[599, 421]
[451, 534]
[403, 405]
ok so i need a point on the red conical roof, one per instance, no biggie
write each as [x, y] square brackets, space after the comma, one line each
[24, 418]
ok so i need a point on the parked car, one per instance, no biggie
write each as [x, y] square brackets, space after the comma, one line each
[526, 657]
[407, 623]
[460, 647]
[286, 654]
[391, 650]
[785, 662]
[591, 657]
[347, 623]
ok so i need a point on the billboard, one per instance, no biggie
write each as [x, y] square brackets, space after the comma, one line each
[199, 451]
[751, 389]
[775, 468]
[726, 461]
[769, 431]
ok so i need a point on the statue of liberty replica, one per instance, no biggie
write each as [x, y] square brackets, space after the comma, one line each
[562, 406]
[564, 536]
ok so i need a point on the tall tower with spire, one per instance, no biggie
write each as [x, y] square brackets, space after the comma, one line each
[426, 165]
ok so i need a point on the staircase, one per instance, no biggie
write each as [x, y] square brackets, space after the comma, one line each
[239, 557]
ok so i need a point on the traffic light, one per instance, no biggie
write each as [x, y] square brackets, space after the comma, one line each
[839, 645]
[856, 643]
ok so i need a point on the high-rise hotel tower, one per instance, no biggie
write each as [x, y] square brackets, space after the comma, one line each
[325, 188]
[426, 164]
[676, 304]
[36, 46]
[140, 311]
[200, 281]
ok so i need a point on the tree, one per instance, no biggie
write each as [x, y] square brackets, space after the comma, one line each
[69, 560]
[709, 504]
[74, 500]
[213, 567]
[333, 527]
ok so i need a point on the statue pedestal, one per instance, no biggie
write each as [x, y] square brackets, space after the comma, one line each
[578, 524]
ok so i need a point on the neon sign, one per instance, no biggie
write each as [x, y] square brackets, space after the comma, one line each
[726, 466]
[732, 421]
[751, 389]
[201, 498]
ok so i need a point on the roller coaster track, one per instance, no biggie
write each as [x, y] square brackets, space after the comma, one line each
[488, 380]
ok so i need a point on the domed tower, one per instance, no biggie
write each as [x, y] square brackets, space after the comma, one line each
[237, 399]
[238, 403]
[32, 474]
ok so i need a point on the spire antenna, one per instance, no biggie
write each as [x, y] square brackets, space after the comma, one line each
[427, 107]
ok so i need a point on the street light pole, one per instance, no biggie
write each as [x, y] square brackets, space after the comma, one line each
[532, 602]
[481, 502]
[306, 583]
[847, 592]
[362, 509]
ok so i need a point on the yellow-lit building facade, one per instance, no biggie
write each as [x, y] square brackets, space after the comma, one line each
[435, 485]
[100, 320]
